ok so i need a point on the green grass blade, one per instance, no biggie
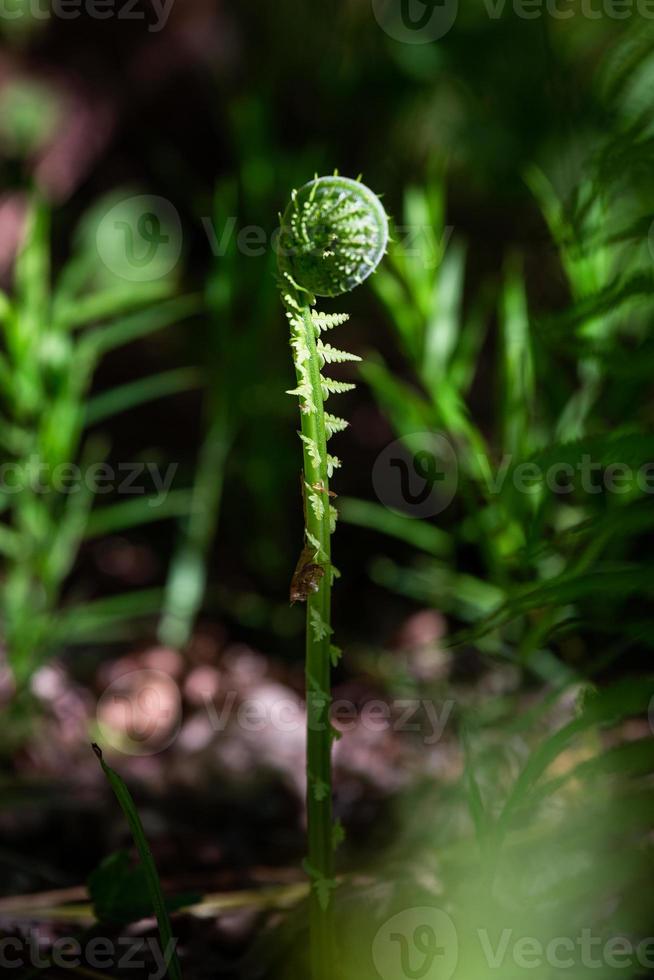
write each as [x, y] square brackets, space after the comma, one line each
[406, 320]
[481, 819]
[187, 576]
[420, 534]
[129, 328]
[518, 369]
[132, 513]
[465, 360]
[128, 807]
[603, 708]
[134, 393]
[13, 439]
[444, 323]
[10, 542]
[32, 273]
[69, 530]
[5, 306]
[406, 408]
[69, 313]
[103, 619]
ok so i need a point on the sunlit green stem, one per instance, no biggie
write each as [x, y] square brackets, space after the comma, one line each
[318, 681]
[333, 235]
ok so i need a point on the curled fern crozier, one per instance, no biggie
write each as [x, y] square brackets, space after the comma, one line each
[334, 233]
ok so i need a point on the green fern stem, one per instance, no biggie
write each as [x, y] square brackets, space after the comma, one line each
[333, 234]
[317, 668]
[309, 354]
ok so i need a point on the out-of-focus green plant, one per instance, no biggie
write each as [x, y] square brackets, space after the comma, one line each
[53, 339]
[521, 848]
[240, 407]
[422, 288]
[553, 557]
[29, 114]
[21, 21]
[239, 310]
[541, 841]
[186, 583]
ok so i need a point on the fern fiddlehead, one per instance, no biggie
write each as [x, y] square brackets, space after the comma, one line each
[333, 235]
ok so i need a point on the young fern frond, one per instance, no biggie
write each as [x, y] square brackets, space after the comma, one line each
[333, 463]
[334, 424]
[327, 321]
[330, 355]
[332, 387]
[333, 235]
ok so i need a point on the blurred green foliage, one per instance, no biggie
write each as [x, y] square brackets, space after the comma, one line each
[50, 468]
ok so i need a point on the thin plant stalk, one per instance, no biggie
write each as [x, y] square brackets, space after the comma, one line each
[318, 675]
[333, 235]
